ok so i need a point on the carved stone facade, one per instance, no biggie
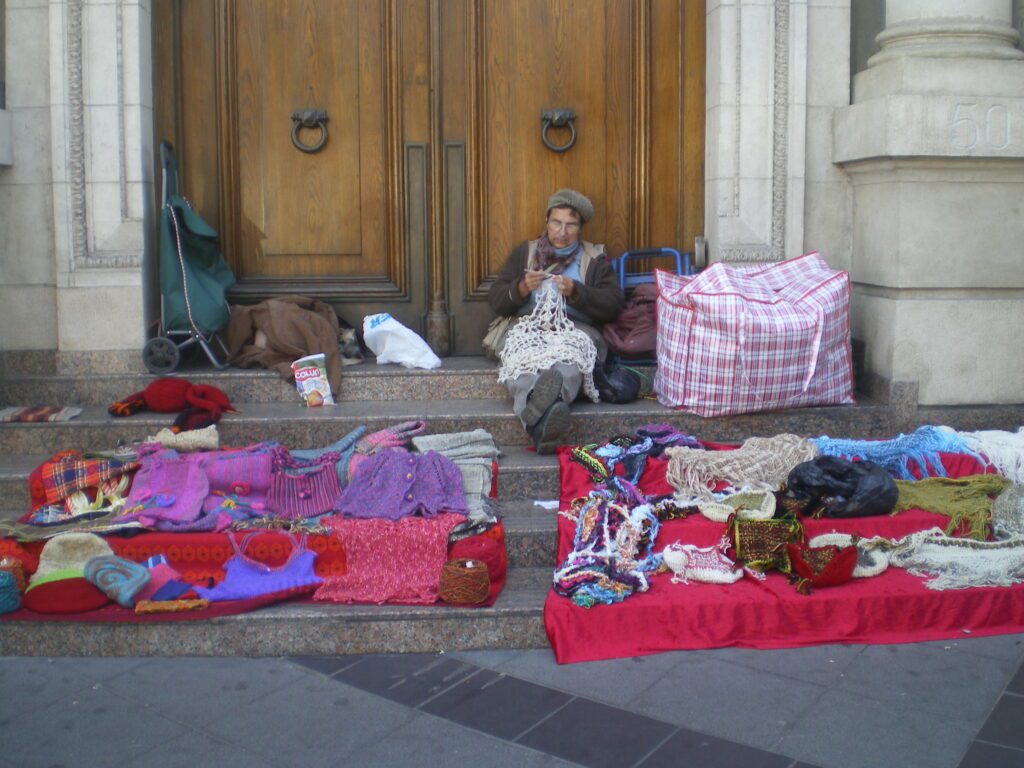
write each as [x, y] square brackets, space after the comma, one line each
[907, 174]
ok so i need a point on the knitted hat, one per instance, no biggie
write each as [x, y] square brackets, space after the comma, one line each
[570, 198]
[69, 552]
[63, 592]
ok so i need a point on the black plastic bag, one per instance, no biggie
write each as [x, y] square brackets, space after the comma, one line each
[616, 384]
[836, 487]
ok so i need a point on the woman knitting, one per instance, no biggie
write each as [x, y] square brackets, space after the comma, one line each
[560, 261]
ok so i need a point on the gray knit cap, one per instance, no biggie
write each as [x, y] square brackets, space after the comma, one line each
[570, 198]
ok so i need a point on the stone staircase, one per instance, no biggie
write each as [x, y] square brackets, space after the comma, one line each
[461, 395]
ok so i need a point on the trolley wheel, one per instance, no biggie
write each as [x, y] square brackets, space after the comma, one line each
[160, 355]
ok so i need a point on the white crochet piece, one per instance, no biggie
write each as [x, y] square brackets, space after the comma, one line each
[1004, 449]
[747, 505]
[1008, 513]
[706, 564]
[547, 336]
[954, 563]
[205, 439]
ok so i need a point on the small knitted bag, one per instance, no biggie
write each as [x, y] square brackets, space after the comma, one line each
[299, 495]
[820, 566]
[709, 565]
[761, 544]
[545, 337]
[749, 505]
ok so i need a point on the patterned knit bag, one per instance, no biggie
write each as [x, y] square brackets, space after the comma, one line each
[761, 544]
[295, 495]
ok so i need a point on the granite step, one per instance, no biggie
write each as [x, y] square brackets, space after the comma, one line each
[305, 629]
[300, 427]
[458, 378]
[522, 473]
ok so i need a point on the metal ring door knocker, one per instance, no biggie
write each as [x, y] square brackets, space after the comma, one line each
[558, 118]
[309, 118]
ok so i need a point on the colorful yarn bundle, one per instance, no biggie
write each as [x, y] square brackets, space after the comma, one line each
[612, 551]
[464, 582]
[10, 597]
[899, 455]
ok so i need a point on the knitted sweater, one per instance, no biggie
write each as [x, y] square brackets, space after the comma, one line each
[597, 295]
[395, 483]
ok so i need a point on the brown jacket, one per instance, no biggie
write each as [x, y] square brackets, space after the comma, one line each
[597, 295]
[294, 326]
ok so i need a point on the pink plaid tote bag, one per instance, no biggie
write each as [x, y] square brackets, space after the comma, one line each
[742, 340]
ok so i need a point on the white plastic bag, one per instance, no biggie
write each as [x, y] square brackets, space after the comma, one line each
[392, 342]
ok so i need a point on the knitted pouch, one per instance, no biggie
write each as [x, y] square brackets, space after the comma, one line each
[243, 474]
[821, 566]
[706, 564]
[119, 579]
[299, 495]
[761, 544]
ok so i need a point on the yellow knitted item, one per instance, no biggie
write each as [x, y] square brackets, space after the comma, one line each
[965, 500]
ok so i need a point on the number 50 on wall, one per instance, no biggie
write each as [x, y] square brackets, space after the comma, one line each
[975, 126]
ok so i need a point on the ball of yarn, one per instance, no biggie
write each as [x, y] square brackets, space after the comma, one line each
[484, 548]
[10, 599]
[15, 568]
[464, 582]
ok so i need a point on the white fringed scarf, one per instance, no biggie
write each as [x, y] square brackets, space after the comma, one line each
[1004, 449]
[547, 336]
[949, 562]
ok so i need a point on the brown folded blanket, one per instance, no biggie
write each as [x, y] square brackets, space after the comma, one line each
[275, 332]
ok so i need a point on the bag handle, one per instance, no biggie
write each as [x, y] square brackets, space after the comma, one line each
[297, 546]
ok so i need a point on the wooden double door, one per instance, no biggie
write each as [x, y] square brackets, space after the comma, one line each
[434, 163]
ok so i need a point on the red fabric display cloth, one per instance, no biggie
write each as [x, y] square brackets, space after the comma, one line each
[197, 557]
[893, 607]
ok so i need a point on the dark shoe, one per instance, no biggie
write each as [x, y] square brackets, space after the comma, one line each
[547, 433]
[543, 395]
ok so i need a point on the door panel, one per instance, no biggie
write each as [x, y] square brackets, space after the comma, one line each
[435, 167]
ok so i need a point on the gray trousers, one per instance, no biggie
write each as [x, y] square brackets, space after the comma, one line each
[521, 387]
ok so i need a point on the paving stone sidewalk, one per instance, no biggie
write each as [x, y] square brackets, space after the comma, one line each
[928, 705]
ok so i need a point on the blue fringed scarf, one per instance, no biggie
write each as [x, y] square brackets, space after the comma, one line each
[920, 448]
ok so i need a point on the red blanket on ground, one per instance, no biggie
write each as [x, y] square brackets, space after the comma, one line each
[894, 607]
[199, 557]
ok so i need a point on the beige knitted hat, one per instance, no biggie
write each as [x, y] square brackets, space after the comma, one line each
[570, 198]
[70, 551]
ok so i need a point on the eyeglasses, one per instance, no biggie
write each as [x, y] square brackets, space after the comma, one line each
[569, 227]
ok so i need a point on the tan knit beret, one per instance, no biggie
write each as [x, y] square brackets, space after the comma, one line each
[570, 198]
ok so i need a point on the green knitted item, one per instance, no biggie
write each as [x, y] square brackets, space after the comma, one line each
[966, 500]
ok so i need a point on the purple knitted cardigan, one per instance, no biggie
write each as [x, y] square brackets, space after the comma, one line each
[395, 483]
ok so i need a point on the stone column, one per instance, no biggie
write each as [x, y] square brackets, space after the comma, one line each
[102, 149]
[934, 146]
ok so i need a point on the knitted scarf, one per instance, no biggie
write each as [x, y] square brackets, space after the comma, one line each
[921, 448]
[761, 463]
[954, 563]
[1005, 450]
[547, 336]
[612, 552]
[966, 500]
[547, 254]
[1008, 513]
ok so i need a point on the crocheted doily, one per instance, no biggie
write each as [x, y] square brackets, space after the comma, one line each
[545, 337]
[871, 561]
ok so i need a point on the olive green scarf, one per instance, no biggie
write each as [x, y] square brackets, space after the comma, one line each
[966, 500]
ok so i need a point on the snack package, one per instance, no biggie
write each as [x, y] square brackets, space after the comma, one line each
[311, 380]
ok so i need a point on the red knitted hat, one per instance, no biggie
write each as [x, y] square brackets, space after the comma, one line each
[72, 595]
[166, 395]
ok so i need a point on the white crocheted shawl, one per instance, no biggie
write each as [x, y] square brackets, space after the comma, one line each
[547, 336]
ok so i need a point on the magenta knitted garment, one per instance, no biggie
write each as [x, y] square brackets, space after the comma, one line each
[389, 561]
[395, 483]
[295, 495]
